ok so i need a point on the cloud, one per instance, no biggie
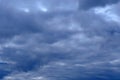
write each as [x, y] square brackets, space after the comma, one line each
[87, 4]
[59, 44]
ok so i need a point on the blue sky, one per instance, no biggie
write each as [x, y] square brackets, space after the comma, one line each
[59, 39]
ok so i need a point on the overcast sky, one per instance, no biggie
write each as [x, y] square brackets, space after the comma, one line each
[59, 39]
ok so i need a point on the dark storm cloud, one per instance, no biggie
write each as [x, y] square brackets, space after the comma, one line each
[87, 4]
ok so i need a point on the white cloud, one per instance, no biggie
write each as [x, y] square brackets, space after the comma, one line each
[108, 14]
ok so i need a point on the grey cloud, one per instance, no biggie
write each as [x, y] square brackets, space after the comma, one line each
[75, 52]
[87, 4]
[54, 45]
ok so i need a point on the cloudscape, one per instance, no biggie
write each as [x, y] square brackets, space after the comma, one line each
[59, 39]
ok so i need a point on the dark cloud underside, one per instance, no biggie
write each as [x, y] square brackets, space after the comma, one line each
[87, 4]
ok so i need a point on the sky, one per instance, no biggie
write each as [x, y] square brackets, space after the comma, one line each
[59, 39]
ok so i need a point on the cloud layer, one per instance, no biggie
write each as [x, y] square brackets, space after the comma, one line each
[47, 40]
[87, 4]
